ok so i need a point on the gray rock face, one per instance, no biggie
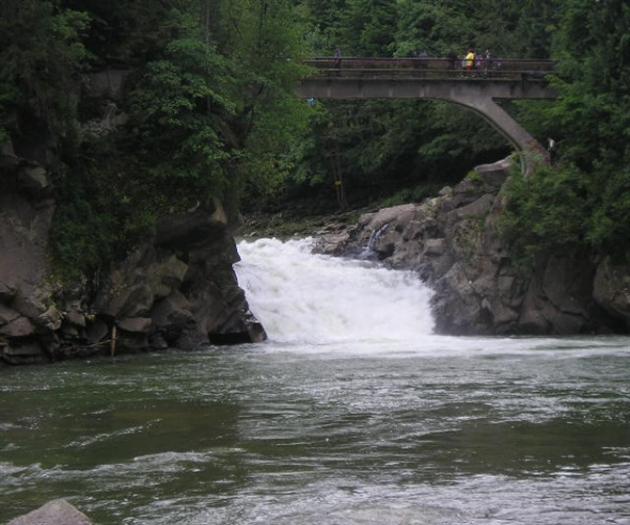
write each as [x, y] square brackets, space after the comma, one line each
[177, 288]
[453, 243]
[25, 218]
[612, 289]
[58, 512]
[180, 289]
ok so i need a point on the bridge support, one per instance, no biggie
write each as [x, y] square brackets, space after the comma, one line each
[478, 95]
[533, 152]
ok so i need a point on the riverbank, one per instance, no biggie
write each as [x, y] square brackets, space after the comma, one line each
[455, 243]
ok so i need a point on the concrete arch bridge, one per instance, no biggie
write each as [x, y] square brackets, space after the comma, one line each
[439, 79]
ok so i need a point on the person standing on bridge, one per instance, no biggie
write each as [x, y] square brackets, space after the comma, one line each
[470, 60]
[338, 57]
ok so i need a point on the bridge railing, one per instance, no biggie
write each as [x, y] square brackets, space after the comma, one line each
[431, 68]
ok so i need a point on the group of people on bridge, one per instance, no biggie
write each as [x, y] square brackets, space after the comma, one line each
[480, 62]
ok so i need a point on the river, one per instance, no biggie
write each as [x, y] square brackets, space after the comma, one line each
[352, 413]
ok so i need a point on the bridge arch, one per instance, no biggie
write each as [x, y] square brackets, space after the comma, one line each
[437, 79]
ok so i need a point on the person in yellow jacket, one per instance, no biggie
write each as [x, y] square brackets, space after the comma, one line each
[470, 60]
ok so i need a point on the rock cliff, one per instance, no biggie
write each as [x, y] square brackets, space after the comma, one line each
[453, 241]
[177, 289]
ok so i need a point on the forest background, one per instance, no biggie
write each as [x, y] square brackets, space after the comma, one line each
[210, 112]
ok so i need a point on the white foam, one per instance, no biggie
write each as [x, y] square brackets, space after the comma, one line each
[302, 297]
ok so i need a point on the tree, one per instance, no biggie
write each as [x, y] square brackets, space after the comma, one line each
[591, 122]
[40, 56]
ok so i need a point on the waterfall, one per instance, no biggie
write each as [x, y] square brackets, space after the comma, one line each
[299, 296]
[369, 251]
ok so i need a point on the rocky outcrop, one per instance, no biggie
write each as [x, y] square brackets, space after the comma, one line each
[26, 306]
[57, 512]
[177, 289]
[612, 288]
[454, 244]
[180, 289]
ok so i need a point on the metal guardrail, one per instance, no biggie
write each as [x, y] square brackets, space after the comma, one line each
[432, 68]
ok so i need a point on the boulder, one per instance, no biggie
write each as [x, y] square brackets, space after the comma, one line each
[133, 287]
[58, 512]
[97, 331]
[22, 354]
[126, 292]
[157, 298]
[333, 244]
[33, 179]
[7, 315]
[495, 174]
[76, 318]
[51, 319]
[136, 325]
[167, 275]
[611, 289]
[400, 214]
[174, 311]
[20, 327]
[478, 208]
[31, 302]
[435, 247]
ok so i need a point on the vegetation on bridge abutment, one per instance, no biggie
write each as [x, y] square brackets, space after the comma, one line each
[210, 110]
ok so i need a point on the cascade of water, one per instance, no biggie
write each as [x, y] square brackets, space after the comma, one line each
[303, 297]
[369, 252]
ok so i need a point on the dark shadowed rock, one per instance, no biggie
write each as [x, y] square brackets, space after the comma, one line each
[7, 292]
[97, 331]
[8, 159]
[612, 289]
[155, 294]
[34, 179]
[186, 230]
[107, 84]
[7, 315]
[25, 353]
[58, 512]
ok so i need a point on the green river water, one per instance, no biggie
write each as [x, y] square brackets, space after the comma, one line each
[254, 435]
[430, 430]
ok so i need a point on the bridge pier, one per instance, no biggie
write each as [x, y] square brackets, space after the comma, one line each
[533, 152]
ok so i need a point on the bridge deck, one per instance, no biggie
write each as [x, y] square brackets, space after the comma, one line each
[430, 69]
[438, 79]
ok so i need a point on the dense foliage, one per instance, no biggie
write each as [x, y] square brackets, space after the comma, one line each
[584, 201]
[209, 111]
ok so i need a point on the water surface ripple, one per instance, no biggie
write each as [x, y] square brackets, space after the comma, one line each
[414, 430]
